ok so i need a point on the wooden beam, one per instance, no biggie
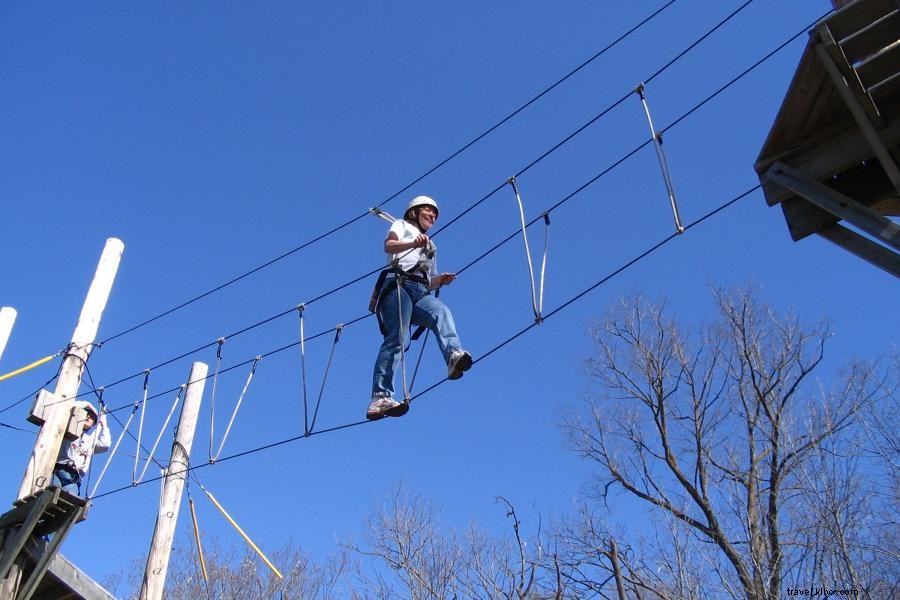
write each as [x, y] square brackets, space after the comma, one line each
[76, 580]
[864, 248]
[841, 206]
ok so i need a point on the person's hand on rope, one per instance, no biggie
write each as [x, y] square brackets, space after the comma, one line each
[445, 279]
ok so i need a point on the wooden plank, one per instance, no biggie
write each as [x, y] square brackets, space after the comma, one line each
[839, 205]
[811, 104]
[881, 67]
[856, 15]
[41, 407]
[872, 38]
[862, 116]
[864, 248]
[845, 78]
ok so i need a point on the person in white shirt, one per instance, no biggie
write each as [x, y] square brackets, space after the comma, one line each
[414, 271]
[75, 457]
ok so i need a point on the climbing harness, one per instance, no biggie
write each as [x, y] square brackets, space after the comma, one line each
[661, 156]
[416, 274]
[537, 298]
[308, 426]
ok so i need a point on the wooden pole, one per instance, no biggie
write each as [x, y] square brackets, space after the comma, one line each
[7, 318]
[173, 486]
[43, 458]
[40, 465]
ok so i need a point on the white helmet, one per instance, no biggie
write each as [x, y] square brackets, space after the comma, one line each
[420, 201]
[89, 408]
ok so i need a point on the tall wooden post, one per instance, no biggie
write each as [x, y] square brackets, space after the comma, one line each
[173, 486]
[7, 318]
[43, 458]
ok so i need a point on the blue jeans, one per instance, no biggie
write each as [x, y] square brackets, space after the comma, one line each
[66, 481]
[416, 307]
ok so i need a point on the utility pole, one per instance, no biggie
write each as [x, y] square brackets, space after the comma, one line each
[56, 419]
[173, 486]
[43, 458]
[7, 318]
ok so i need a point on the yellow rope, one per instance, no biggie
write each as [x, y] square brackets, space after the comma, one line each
[36, 363]
[197, 537]
[244, 535]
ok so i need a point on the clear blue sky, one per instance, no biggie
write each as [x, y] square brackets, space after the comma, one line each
[213, 137]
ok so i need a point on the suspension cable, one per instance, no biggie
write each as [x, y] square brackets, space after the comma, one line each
[559, 203]
[416, 180]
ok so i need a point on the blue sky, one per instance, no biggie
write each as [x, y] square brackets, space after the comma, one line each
[214, 137]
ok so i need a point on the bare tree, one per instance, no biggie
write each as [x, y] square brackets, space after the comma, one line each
[235, 573]
[427, 563]
[716, 433]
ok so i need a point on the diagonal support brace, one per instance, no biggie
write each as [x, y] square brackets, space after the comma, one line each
[836, 203]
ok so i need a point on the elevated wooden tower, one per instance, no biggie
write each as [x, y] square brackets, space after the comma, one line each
[831, 158]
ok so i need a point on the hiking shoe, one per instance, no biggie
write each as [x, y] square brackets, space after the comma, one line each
[460, 361]
[385, 406]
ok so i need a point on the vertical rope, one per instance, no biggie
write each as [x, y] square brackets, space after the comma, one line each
[237, 407]
[137, 452]
[113, 451]
[300, 309]
[400, 333]
[162, 430]
[337, 337]
[537, 306]
[212, 397]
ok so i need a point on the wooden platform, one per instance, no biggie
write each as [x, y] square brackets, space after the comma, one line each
[25, 532]
[839, 128]
[59, 505]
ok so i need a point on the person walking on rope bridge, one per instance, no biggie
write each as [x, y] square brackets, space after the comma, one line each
[405, 298]
[75, 457]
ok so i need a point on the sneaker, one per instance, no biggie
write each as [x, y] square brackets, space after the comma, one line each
[384, 406]
[460, 361]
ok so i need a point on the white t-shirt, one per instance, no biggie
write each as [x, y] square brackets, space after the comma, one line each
[408, 259]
